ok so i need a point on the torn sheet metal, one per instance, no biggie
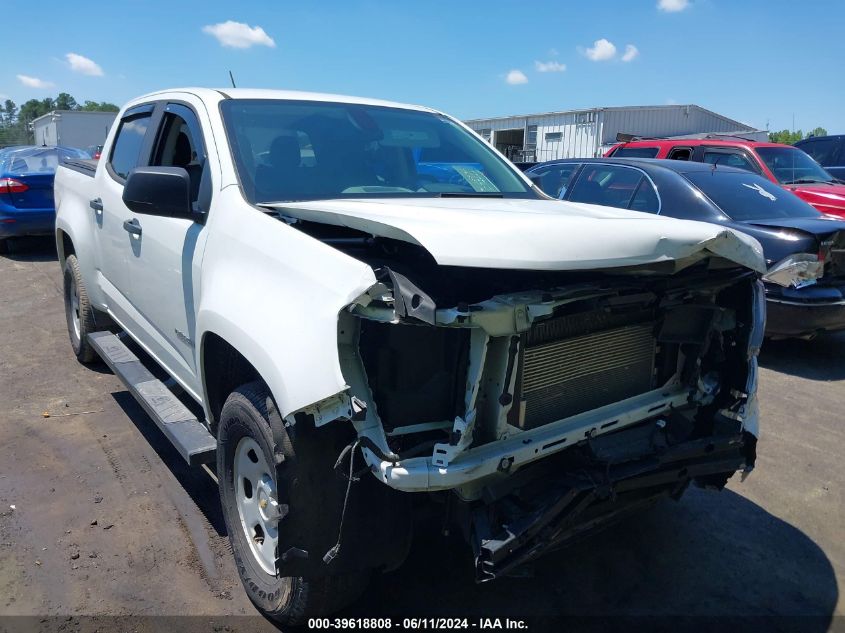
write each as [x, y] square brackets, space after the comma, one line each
[533, 234]
[796, 271]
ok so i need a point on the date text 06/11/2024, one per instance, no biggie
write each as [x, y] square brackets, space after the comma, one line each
[430, 624]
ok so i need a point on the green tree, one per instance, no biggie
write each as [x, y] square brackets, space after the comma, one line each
[33, 109]
[95, 106]
[65, 102]
[790, 138]
[786, 137]
[16, 123]
[10, 113]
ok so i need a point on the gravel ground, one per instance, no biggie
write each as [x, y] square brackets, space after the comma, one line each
[108, 521]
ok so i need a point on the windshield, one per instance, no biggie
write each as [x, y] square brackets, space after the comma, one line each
[747, 197]
[791, 165]
[302, 150]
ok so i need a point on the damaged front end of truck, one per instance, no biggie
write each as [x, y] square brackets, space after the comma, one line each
[543, 403]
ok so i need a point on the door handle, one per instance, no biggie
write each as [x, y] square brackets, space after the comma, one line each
[97, 205]
[132, 226]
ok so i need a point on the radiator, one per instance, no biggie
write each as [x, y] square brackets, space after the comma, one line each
[564, 377]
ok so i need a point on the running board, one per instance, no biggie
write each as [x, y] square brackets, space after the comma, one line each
[190, 436]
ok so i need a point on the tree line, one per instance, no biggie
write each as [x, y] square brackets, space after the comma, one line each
[790, 138]
[16, 122]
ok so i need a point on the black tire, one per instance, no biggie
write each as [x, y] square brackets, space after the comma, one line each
[80, 314]
[4, 245]
[288, 600]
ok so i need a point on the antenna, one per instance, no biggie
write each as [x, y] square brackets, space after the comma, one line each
[232, 79]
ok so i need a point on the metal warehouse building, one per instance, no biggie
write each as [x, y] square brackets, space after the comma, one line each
[588, 133]
[72, 128]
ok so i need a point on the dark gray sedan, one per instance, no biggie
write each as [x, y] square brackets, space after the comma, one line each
[804, 249]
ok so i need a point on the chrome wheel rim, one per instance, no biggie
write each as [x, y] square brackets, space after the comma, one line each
[257, 501]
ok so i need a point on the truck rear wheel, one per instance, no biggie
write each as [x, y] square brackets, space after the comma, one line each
[257, 467]
[79, 312]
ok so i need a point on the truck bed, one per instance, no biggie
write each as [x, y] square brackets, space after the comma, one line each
[87, 167]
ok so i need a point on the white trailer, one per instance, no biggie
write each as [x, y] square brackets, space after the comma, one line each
[72, 128]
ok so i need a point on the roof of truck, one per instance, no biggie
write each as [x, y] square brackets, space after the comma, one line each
[217, 94]
[693, 142]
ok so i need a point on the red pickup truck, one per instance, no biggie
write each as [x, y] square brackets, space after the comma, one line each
[785, 165]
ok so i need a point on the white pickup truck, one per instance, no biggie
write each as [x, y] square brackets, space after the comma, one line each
[366, 301]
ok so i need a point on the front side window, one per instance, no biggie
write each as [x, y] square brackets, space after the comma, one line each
[127, 144]
[608, 185]
[554, 180]
[791, 166]
[303, 150]
[179, 144]
[729, 159]
[748, 197]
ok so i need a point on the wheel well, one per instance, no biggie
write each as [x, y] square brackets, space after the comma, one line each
[224, 369]
[66, 246]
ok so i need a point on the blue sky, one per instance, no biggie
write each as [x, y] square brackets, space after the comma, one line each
[758, 61]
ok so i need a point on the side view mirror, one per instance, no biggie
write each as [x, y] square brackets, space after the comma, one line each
[163, 191]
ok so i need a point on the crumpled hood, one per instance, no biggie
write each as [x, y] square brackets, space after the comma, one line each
[532, 234]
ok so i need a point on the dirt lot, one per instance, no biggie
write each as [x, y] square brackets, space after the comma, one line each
[107, 519]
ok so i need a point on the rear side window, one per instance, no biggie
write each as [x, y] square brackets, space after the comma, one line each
[645, 199]
[636, 152]
[729, 159]
[680, 153]
[128, 143]
[615, 186]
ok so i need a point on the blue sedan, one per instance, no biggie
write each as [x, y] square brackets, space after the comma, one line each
[26, 189]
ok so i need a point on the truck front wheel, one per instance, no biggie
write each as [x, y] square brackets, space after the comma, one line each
[261, 467]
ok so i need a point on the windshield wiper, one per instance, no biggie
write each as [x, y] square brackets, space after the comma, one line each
[808, 181]
[471, 194]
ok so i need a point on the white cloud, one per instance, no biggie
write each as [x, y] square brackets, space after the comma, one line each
[601, 51]
[631, 53]
[239, 35]
[672, 6]
[83, 65]
[549, 67]
[35, 82]
[553, 52]
[516, 77]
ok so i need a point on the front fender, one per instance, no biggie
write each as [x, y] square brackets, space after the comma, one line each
[274, 294]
